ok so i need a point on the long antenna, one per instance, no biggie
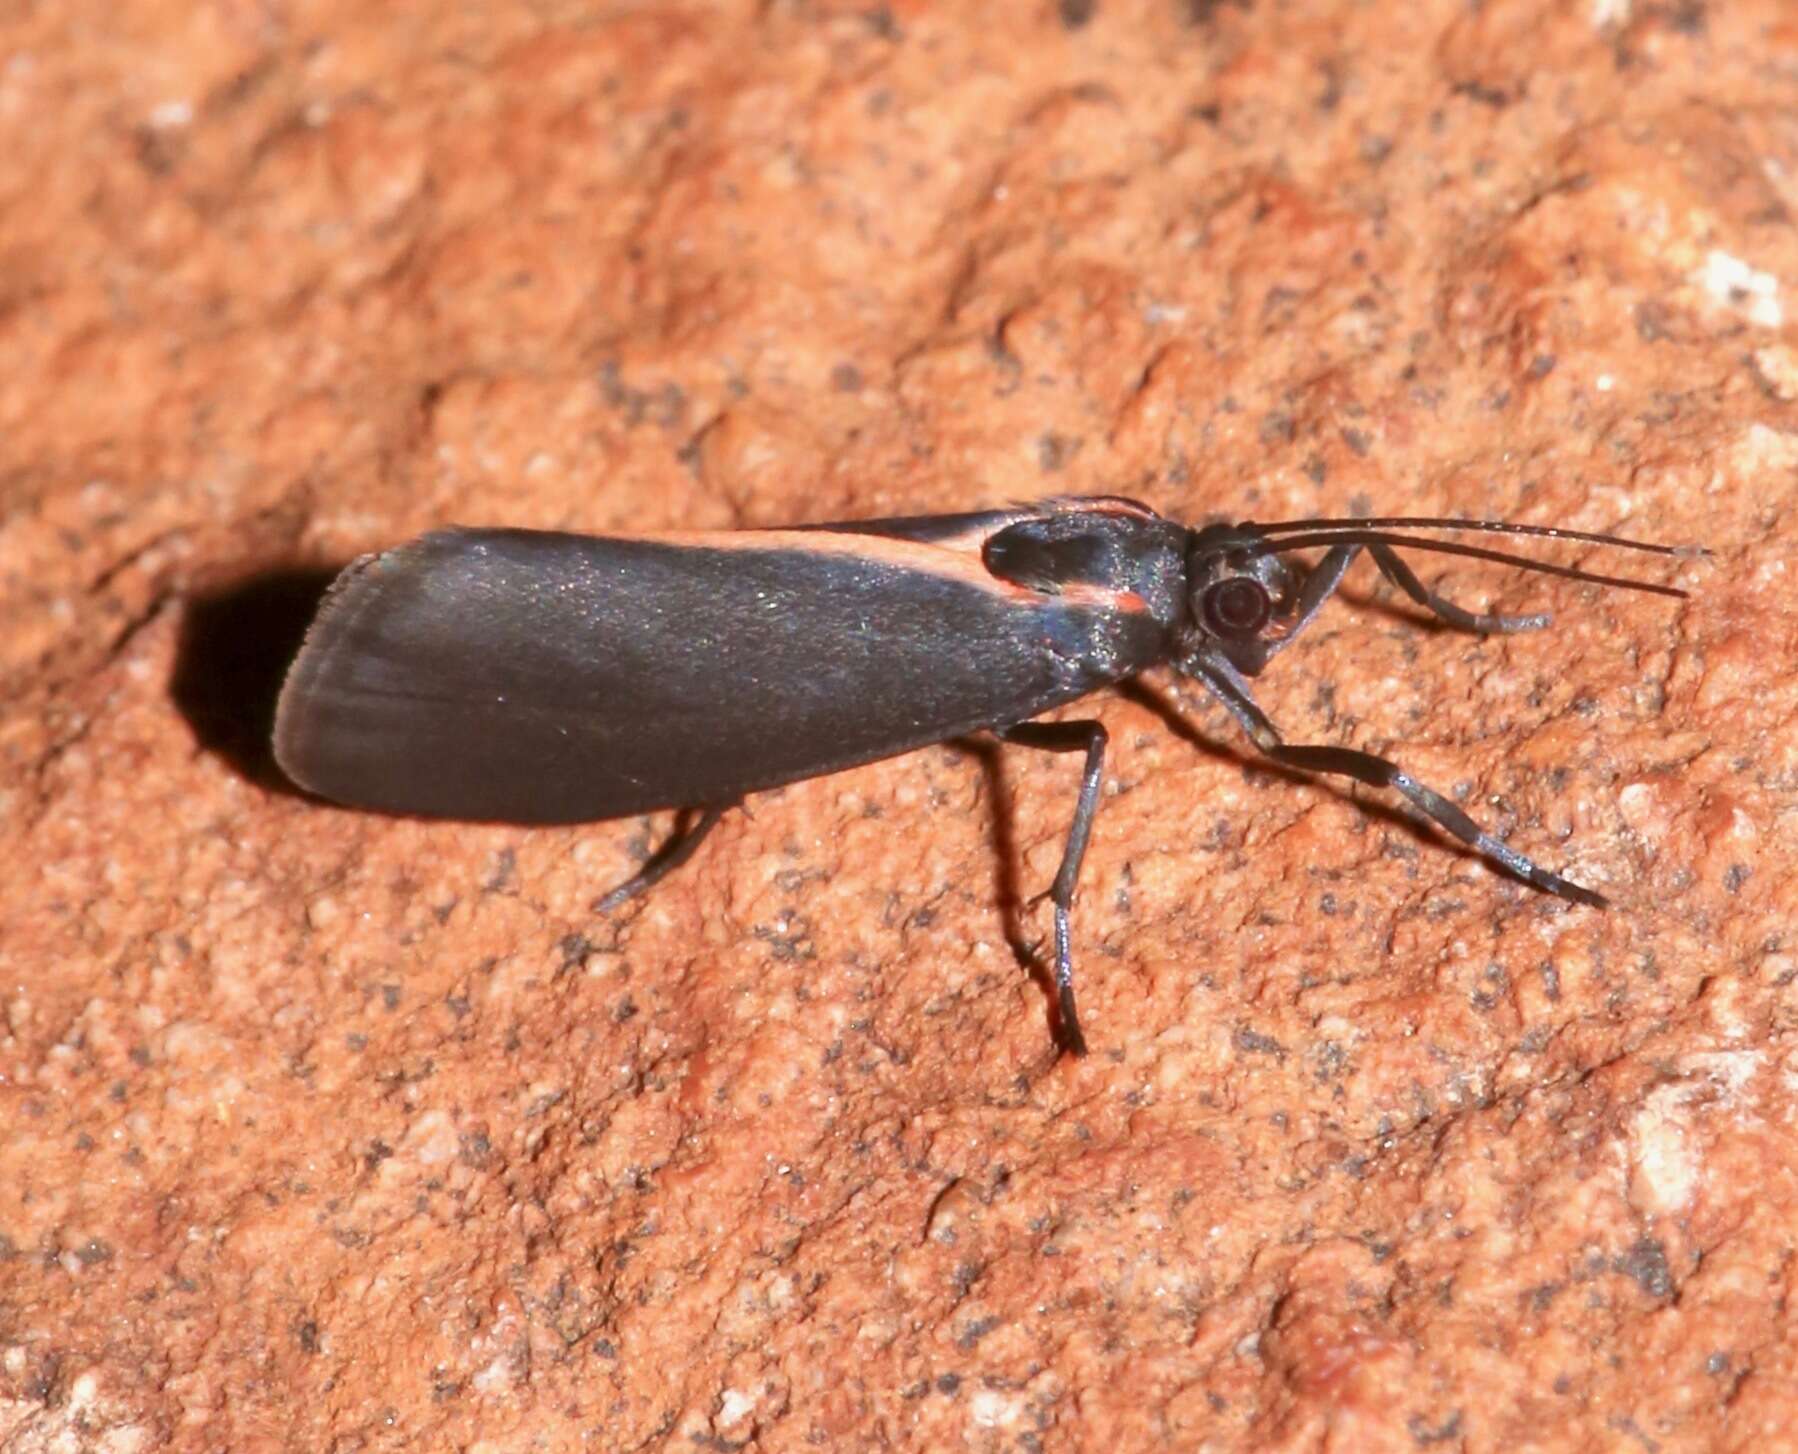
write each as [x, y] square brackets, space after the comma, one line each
[1344, 535]
[1496, 527]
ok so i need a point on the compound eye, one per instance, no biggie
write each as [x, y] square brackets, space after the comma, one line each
[1237, 608]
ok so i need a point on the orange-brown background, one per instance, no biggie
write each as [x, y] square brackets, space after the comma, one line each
[327, 1131]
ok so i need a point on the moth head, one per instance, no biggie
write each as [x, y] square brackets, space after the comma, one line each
[1242, 600]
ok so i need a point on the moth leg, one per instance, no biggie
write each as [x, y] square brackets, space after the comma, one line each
[1319, 585]
[1088, 737]
[1402, 576]
[1377, 772]
[670, 856]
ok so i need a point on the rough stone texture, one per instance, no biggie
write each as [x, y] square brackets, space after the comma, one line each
[330, 1132]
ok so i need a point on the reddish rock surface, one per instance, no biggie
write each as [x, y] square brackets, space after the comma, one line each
[332, 1132]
